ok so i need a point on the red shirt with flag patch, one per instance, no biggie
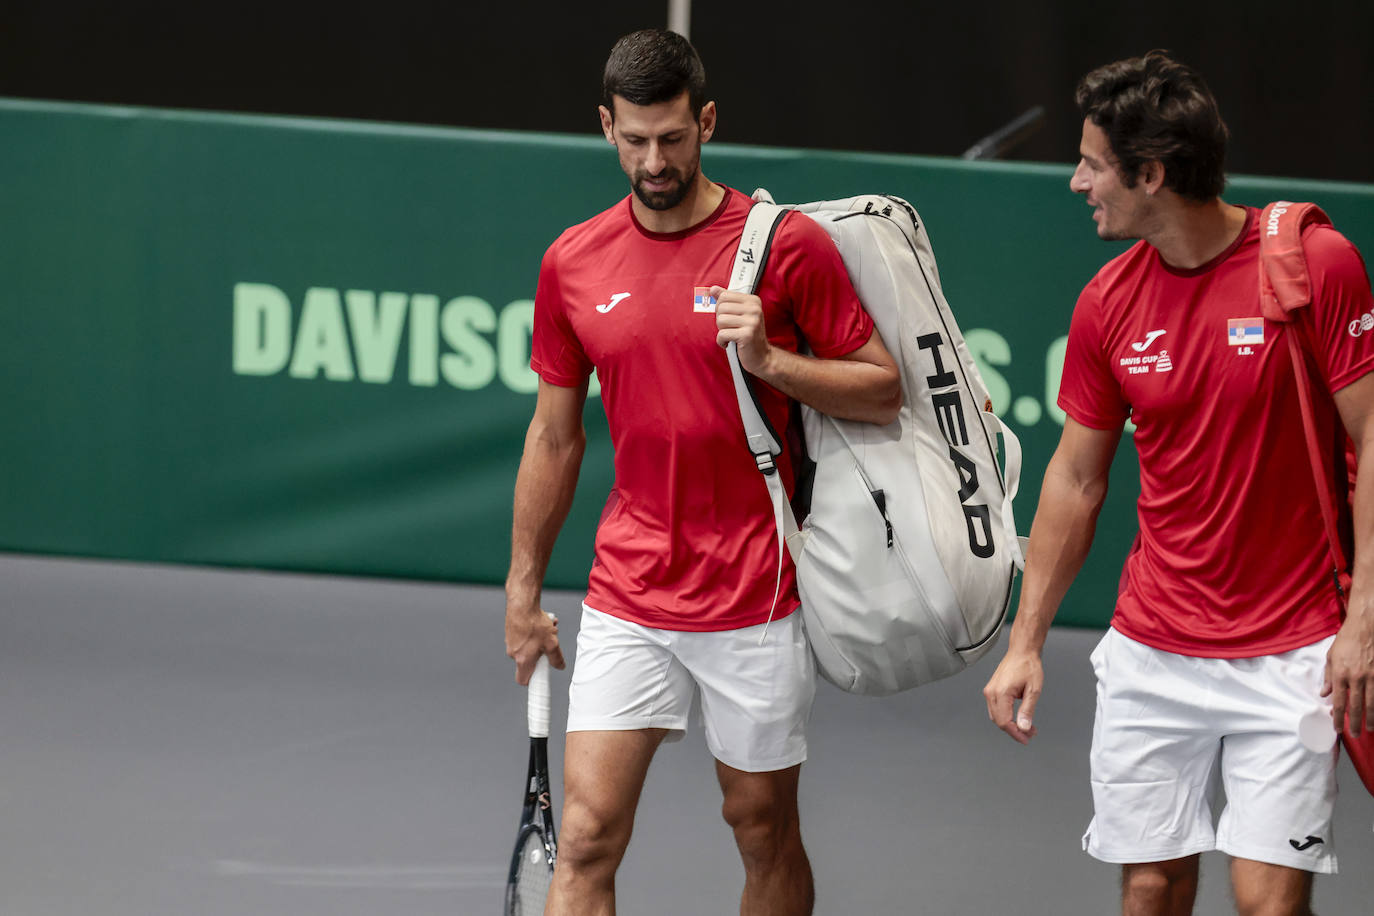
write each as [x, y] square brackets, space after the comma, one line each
[687, 540]
[1231, 559]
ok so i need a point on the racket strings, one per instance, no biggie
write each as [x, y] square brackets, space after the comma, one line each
[532, 881]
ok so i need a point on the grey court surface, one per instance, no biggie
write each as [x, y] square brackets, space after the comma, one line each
[191, 741]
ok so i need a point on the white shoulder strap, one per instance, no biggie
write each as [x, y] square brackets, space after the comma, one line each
[754, 245]
[764, 442]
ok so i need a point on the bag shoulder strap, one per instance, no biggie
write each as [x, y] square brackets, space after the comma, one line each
[1286, 287]
[763, 440]
[1284, 284]
[752, 255]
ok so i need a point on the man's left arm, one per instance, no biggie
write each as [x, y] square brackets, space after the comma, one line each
[1350, 663]
[861, 385]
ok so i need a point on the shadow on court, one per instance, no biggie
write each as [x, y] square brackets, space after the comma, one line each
[181, 740]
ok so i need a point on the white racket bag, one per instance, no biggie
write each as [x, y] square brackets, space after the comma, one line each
[906, 560]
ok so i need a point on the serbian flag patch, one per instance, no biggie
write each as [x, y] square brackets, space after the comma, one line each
[1244, 331]
[702, 300]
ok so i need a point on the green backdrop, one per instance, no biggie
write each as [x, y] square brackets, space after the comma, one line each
[303, 344]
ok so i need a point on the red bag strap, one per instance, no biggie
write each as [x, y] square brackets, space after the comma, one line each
[1314, 456]
[1284, 288]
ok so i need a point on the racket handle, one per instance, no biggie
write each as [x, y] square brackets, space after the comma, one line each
[539, 702]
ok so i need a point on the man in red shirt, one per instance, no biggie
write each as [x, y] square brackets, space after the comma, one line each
[681, 598]
[1227, 631]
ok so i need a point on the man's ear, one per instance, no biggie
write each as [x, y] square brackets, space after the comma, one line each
[707, 121]
[1152, 176]
[607, 123]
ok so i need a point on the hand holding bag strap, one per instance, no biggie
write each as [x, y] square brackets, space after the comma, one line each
[764, 442]
[755, 243]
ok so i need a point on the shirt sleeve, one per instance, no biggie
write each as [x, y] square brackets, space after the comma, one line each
[1088, 391]
[1342, 305]
[556, 355]
[824, 305]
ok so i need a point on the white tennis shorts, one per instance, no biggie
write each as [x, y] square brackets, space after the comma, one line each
[755, 698]
[1169, 725]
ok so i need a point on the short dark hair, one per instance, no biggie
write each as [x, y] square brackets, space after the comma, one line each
[652, 66]
[1153, 108]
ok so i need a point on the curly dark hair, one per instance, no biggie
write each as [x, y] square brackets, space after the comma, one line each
[651, 66]
[1153, 108]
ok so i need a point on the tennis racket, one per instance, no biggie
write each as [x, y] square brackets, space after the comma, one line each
[536, 846]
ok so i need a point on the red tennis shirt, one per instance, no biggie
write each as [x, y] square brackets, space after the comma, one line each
[687, 541]
[1231, 557]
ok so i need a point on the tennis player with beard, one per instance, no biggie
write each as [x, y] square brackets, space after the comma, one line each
[680, 602]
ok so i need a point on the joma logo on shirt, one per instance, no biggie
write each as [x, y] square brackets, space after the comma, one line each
[950, 414]
[1143, 345]
[615, 300]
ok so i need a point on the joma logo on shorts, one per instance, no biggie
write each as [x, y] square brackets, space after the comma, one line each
[950, 414]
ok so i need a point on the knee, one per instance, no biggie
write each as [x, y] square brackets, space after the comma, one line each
[764, 826]
[1147, 883]
[591, 840]
[1261, 889]
[1160, 884]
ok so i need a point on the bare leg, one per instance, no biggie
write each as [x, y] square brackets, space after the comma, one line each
[603, 773]
[1159, 888]
[1270, 890]
[761, 808]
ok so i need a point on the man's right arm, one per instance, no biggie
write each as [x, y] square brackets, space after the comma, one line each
[544, 490]
[1071, 497]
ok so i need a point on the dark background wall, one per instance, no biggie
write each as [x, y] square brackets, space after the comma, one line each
[913, 77]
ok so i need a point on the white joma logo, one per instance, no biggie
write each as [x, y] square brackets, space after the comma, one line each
[1151, 337]
[615, 300]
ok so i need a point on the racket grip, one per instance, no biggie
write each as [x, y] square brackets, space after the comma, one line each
[539, 701]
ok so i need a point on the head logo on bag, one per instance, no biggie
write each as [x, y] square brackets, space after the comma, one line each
[949, 414]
